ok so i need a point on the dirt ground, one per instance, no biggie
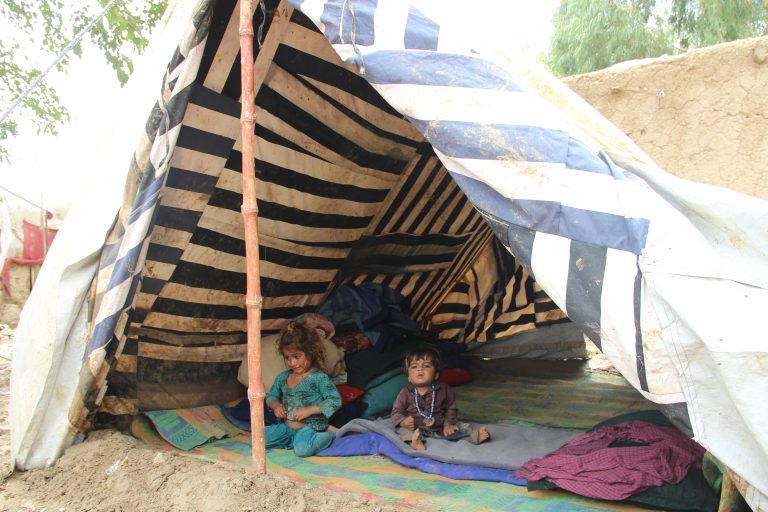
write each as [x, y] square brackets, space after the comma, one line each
[114, 472]
[701, 116]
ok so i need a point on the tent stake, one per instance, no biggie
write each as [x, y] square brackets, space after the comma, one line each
[250, 212]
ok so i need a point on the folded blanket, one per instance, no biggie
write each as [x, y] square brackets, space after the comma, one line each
[375, 444]
[187, 428]
[509, 448]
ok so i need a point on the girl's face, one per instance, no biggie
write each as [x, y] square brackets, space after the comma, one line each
[296, 360]
[421, 372]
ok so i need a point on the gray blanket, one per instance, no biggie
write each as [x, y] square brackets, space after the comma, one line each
[509, 447]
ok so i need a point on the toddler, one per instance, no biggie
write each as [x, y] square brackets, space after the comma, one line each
[427, 408]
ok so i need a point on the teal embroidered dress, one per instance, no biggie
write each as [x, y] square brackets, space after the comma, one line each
[316, 389]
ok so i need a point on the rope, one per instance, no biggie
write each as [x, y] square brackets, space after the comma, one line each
[353, 32]
[31, 87]
[23, 198]
[260, 34]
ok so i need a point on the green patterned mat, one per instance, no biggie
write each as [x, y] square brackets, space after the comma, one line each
[187, 428]
[572, 402]
[575, 403]
[386, 482]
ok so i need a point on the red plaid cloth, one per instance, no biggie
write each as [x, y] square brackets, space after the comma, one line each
[588, 465]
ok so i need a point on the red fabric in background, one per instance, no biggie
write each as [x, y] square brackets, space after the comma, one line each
[33, 243]
[455, 376]
[348, 393]
[32, 254]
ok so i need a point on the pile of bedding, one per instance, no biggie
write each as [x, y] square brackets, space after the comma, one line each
[366, 332]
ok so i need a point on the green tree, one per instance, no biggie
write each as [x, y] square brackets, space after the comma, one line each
[706, 22]
[51, 26]
[595, 34]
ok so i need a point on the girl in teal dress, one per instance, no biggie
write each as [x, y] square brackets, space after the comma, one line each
[302, 397]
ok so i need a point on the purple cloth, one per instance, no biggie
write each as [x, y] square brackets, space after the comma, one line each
[589, 466]
[371, 443]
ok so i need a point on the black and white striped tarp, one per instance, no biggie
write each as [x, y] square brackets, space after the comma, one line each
[348, 191]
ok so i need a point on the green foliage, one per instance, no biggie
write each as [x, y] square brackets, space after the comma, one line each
[121, 27]
[594, 34]
[50, 26]
[706, 22]
[591, 35]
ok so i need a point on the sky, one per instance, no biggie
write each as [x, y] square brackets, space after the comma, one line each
[44, 168]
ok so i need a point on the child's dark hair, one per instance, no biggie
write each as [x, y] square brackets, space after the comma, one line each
[424, 352]
[299, 336]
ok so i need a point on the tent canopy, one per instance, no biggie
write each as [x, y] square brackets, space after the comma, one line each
[387, 151]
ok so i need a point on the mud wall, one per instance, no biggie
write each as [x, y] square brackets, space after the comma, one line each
[702, 115]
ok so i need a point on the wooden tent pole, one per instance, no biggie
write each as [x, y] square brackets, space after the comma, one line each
[250, 212]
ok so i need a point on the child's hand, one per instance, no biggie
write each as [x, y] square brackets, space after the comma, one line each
[280, 411]
[302, 413]
[450, 429]
[409, 423]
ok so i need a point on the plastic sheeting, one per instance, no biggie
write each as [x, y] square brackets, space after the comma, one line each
[667, 278]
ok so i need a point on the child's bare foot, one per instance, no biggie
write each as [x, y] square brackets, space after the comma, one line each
[417, 442]
[480, 435]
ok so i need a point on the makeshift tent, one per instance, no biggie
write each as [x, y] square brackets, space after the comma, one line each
[388, 150]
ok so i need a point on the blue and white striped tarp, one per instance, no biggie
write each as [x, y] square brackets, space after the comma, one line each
[645, 278]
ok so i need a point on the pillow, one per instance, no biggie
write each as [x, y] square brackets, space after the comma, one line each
[455, 376]
[272, 363]
[384, 377]
[381, 398]
[364, 365]
[348, 393]
[334, 359]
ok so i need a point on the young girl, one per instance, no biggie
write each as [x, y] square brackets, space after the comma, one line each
[302, 397]
[426, 407]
